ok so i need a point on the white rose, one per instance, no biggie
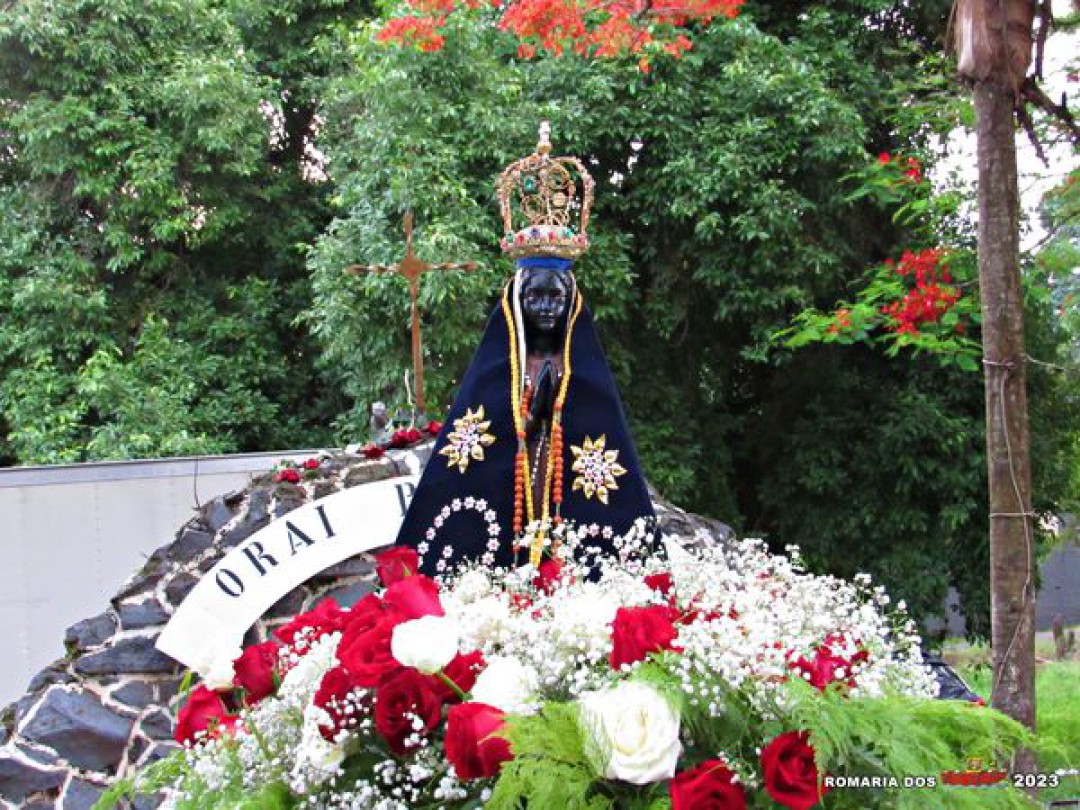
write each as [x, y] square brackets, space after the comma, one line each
[215, 666]
[428, 643]
[506, 684]
[635, 730]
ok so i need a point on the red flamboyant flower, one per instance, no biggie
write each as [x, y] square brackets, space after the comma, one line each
[416, 31]
[596, 28]
[931, 297]
[841, 322]
[914, 170]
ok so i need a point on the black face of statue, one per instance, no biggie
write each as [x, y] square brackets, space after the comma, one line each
[545, 297]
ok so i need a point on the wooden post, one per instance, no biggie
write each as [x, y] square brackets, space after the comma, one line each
[994, 40]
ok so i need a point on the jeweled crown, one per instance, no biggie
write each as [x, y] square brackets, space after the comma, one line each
[538, 198]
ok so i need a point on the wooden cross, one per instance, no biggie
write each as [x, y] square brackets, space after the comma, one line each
[412, 268]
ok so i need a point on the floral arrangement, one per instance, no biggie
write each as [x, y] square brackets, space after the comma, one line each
[644, 677]
[401, 438]
[289, 472]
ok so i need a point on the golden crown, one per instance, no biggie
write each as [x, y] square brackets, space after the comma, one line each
[540, 193]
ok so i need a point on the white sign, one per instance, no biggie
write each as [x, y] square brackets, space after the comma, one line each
[251, 578]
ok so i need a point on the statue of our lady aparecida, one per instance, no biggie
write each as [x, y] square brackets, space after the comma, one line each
[536, 437]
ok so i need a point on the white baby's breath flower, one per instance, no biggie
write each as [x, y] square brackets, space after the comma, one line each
[472, 585]
[584, 617]
[301, 682]
[316, 759]
[428, 643]
[486, 620]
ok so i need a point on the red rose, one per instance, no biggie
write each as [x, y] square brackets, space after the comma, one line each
[414, 597]
[826, 666]
[548, 575]
[365, 614]
[462, 671]
[707, 786]
[326, 617]
[373, 451]
[433, 428]
[312, 464]
[638, 631]
[405, 437]
[789, 771]
[401, 698]
[256, 671]
[365, 651]
[820, 672]
[397, 563]
[289, 475]
[520, 602]
[332, 697]
[203, 711]
[473, 744]
[661, 583]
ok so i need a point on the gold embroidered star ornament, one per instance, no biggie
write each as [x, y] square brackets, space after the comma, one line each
[597, 468]
[466, 442]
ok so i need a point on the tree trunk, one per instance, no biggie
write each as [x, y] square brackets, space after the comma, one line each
[1007, 442]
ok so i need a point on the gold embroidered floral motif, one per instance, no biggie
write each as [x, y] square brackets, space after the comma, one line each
[597, 468]
[468, 439]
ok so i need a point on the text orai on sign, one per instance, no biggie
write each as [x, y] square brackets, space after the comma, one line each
[251, 578]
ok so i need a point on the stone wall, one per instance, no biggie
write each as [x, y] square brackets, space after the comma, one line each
[107, 707]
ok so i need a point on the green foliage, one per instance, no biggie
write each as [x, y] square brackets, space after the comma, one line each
[172, 252]
[901, 736]
[154, 194]
[1057, 718]
[890, 308]
[891, 736]
[719, 216]
[151, 779]
[551, 766]
[197, 795]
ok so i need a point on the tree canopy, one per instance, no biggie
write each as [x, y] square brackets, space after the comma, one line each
[183, 185]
